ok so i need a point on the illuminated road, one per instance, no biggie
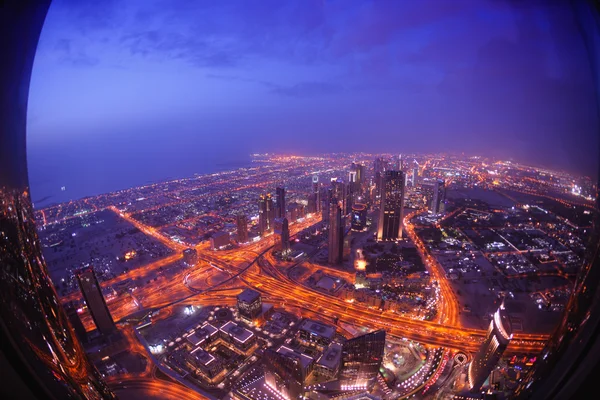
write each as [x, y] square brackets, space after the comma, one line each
[448, 309]
[277, 287]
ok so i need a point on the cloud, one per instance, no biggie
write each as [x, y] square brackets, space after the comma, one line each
[308, 89]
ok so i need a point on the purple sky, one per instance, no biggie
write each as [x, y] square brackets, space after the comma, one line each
[178, 81]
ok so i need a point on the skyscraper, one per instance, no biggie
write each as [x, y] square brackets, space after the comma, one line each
[281, 210]
[92, 294]
[76, 323]
[316, 192]
[286, 371]
[270, 212]
[391, 211]
[336, 234]
[262, 215]
[249, 304]
[266, 214]
[498, 336]
[242, 227]
[361, 359]
[415, 174]
[359, 217]
[282, 229]
[439, 196]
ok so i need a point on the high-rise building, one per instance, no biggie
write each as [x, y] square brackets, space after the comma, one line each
[336, 234]
[359, 217]
[498, 337]
[415, 174]
[439, 196]
[286, 371]
[316, 192]
[282, 229]
[76, 323]
[361, 360]
[280, 210]
[249, 304]
[266, 214]
[262, 215]
[242, 228]
[92, 294]
[391, 211]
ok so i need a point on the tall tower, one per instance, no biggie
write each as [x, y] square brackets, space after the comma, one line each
[391, 212]
[270, 212]
[242, 228]
[499, 335]
[282, 229]
[361, 359]
[316, 192]
[92, 293]
[336, 234]
[439, 196]
[262, 215]
[280, 192]
[415, 174]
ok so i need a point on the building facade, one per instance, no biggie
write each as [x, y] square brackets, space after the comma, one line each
[92, 294]
[391, 211]
[498, 337]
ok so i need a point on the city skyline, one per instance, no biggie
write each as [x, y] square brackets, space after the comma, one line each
[122, 86]
[315, 199]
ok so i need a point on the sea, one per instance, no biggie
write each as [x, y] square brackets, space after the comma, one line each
[62, 174]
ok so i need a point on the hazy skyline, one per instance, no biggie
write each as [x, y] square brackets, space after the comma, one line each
[144, 90]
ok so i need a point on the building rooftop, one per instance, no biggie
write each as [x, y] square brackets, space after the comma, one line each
[248, 296]
[331, 356]
[201, 357]
[201, 334]
[240, 334]
[305, 360]
[318, 328]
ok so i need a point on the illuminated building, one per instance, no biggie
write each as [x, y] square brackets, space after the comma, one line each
[391, 211]
[249, 304]
[361, 359]
[242, 228]
[296, 211]
[283, 231]
[76, 323]
[438, 197]
[498, 337]
[240, 337]
[219, 240]
[266, 214]
[316, 192]
[328, 364]
[359, 217]
[92, 293]
[286, 371]
[315, 334]
[280, 210]
[190, 257]
[203, 363]
[415, 174]
[339, 193]
[379, 166]
[336, 234]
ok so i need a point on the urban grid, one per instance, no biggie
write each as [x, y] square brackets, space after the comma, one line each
[339, 276]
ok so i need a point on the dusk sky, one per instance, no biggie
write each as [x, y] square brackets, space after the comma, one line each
[126, 92]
